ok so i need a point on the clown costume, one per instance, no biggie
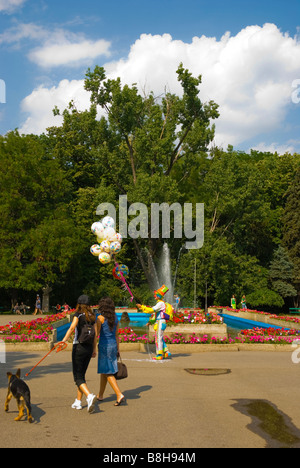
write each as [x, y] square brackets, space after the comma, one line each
[159, 312]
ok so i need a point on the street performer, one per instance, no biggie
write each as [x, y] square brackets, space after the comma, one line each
[163, 312]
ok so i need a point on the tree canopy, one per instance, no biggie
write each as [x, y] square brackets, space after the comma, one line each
[154, 150]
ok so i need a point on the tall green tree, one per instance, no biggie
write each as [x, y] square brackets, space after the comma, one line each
[154, 150]
[137, 146]
[291, 230]
[38, 238]
[281, 274]
[244, 202]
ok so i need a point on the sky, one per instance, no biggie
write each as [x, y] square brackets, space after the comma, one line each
[248, 54]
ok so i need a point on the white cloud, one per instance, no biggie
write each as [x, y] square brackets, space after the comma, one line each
[249, 75]
[10, 5]
[58, 47]
[40, 103]
[67, 53]
[18, 33]
[274, 147]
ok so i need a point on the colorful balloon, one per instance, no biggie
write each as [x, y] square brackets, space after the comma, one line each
[96, 250]
[109, 234]
[98, 229]
[108, 222]
[104, 258]
[105, 246]
[115, 247]
[117, 238]
[121, 268]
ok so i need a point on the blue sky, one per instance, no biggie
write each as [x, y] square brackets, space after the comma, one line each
[46, 47]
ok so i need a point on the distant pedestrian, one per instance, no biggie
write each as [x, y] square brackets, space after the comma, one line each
[233, 302]
[84, 348]
[177, 302]
[38, 305]
[243, 302]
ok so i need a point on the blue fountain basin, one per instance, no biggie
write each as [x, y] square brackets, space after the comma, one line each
[244, 324]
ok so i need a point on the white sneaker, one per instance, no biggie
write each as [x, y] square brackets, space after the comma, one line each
[77, 405]
[91, 399]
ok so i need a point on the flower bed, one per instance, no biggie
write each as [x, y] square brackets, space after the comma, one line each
[256, 336]
[127, 335]
[41, 329]
[270, 332]
[35, 331]
[196, 316]
[284, 318]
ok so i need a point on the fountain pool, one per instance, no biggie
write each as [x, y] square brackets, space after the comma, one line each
[139, 320]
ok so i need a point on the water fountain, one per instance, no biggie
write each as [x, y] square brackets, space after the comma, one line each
[177, 266]
[153, 271]
[165, 272]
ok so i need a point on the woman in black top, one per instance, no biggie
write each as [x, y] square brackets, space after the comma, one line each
[84, 348]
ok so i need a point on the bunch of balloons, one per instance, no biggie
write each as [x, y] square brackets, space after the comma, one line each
[109, 241]
[109, 245]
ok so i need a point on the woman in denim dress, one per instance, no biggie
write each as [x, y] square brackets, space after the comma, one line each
[108, 347]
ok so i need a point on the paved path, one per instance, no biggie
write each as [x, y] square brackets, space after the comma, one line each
[166, 406]
[5, 319]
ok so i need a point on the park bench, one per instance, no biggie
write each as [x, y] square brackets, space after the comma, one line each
[295, 310]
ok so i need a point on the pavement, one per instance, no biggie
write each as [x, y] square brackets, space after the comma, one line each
[166, 407]
[254, 405]
[5, 319]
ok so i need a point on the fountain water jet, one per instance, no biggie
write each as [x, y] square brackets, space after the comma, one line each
[152, 267]
[165, 272]
[177, 266]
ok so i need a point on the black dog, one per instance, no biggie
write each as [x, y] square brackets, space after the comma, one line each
[18, 389]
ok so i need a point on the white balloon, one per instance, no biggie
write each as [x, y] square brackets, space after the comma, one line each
[105, 246]
[95, 250]
[117, 238]
[108, 222]
[104, 258]
[95, 226]
[115, 247]
[99, 230]
[109, 233]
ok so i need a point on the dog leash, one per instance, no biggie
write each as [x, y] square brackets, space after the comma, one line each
[58, 347]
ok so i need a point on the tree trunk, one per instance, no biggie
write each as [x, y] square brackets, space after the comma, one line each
[141, 259]
[46, 299]
[13, 297]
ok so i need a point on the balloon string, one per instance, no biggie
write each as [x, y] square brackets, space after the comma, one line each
[124, 281]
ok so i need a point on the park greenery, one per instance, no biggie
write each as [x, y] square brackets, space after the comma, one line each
[154, 150]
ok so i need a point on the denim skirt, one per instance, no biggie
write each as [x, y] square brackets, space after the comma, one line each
[107, 359]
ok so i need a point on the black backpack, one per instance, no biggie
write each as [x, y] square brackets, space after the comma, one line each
[87, 333]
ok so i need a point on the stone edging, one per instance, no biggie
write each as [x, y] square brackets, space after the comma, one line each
[262, 318]
[174, 348]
